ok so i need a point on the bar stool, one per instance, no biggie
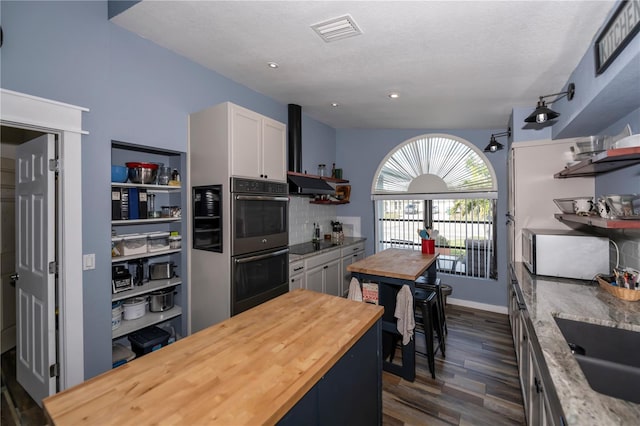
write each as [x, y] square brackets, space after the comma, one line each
[426, 305]
[435, 285]
[426, 315]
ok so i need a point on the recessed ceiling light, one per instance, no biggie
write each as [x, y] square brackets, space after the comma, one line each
[394, 95]
[272, 65]
[335, 104]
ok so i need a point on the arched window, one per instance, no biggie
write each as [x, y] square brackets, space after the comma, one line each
[444, 184]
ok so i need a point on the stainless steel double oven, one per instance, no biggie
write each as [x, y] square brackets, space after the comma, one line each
[259, 242]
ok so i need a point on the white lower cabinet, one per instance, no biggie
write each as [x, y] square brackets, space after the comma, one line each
[541, 403]
[349, 255]
[296, 275]
[326, 272]
[322, 273]
[540, 411]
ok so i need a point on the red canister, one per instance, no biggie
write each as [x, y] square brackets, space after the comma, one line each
[428, 246]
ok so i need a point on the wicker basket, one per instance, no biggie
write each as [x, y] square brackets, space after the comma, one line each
[619, 292]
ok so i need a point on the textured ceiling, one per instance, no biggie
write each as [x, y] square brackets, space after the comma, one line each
[455, 64]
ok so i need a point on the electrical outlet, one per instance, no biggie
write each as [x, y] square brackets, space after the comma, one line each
[88, 261]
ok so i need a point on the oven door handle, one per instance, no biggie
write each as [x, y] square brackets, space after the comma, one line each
[261, 198]
[262, 256]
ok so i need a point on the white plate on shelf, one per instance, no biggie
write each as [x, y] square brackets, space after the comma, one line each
[628, 142]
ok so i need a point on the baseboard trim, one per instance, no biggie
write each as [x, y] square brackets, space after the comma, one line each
[476, 305]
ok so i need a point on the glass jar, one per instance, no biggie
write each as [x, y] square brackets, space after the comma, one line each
[164, 175]
[322, 170]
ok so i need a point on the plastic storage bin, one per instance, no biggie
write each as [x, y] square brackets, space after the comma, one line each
[134, 244]
[157, 241]
[148, 340]
[116, 315]
[175, 241]
[117, 246]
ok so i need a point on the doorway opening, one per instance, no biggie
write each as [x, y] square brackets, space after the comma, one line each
[52, 118]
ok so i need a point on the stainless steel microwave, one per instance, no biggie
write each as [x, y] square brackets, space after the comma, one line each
[567, 254]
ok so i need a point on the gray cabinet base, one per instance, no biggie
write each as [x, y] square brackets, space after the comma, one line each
[350, 393]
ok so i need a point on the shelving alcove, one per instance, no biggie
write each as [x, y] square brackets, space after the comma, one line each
[165, 195]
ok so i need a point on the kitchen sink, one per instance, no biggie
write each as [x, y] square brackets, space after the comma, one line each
[609, 357]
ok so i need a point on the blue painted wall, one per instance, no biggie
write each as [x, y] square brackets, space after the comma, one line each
[627, 180]
[141, 93]
[361, 151]
[137, 92]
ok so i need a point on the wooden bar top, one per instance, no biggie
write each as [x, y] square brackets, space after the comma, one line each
[248, 370]
[395, 263]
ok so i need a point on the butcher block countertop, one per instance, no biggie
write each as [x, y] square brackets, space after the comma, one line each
[395, 263]
[248, 370]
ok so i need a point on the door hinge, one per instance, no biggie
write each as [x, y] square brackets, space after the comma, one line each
[54, 370]
[54, 165]
[53, 267]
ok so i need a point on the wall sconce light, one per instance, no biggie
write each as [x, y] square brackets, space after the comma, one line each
[543, 113]
[494, 145]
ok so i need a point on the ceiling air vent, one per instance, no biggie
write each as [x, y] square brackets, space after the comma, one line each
[337, 28]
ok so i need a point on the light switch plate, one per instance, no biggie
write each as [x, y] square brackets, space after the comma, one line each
[88, 261]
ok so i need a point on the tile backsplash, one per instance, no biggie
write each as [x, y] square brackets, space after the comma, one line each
[628, 243]
[302, 216]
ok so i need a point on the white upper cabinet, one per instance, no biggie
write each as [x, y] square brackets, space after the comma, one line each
[274, 146]
[257, 145]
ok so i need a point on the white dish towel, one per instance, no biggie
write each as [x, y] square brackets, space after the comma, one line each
[355, 293]
[404, 313]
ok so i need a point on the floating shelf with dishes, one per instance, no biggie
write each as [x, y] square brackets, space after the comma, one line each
[603, 162]
[598, 221]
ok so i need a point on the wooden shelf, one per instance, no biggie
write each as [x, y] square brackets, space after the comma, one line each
[598, 222]
[603, 162]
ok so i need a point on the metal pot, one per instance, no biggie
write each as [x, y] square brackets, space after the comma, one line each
[161, 270]
[162, 300]
[142, 172]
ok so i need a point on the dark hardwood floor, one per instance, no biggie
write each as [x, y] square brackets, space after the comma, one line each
[476, 384]
[17, 406]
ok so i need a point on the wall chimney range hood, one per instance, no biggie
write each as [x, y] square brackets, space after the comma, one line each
[300, 183]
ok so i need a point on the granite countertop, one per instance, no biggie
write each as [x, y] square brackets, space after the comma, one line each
[324, 246]
[547, 297]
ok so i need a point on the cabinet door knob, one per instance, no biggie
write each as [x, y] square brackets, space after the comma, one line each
[538, 385]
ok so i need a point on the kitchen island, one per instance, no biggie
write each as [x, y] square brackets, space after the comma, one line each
[303, 355]
[391, 269]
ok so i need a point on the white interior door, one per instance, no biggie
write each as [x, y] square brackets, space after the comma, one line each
[35, 250]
